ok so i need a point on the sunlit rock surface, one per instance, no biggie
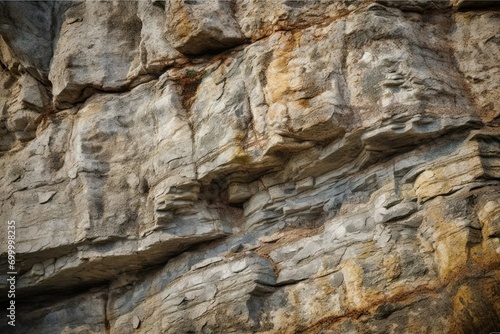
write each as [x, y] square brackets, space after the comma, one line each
[251, 166]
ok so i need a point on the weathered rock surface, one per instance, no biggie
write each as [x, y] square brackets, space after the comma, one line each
[198, 26]
[251, 167]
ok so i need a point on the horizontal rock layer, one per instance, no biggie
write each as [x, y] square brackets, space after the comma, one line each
[251, 166]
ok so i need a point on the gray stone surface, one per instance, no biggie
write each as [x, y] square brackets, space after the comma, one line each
[196, 26]
[213, 167]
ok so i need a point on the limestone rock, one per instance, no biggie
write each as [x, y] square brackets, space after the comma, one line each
[416, 5]
[28, 34]
[156, 52]
[251, 166]
[198, 26]
[476, 41]
[91, 33]
[240, 192]
[81, 314]
[285, 15]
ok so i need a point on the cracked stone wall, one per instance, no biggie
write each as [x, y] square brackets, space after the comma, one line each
[251, 166]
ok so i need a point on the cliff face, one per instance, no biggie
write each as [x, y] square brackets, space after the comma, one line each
[250, 166]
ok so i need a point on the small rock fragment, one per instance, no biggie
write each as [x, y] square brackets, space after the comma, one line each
[45, 196]
[136, 322]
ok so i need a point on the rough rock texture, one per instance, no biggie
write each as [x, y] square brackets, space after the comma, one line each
[251, 166]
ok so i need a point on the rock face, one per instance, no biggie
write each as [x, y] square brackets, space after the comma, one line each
[251, 166]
